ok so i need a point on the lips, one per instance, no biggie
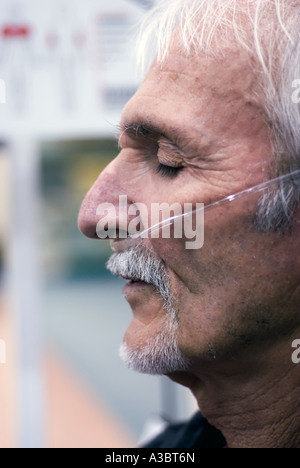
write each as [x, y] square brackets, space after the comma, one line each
[133, 284]
[137, 281]
[134, 288]
[133, 280]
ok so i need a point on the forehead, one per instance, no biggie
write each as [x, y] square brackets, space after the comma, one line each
[195, 91]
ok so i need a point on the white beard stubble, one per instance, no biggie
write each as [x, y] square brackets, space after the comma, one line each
[161, 355]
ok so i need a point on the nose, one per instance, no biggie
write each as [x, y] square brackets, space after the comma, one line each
[103, 200]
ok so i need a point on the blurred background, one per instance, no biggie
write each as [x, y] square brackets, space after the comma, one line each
[66, 70]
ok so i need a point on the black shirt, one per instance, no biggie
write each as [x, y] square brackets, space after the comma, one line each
[196, 433]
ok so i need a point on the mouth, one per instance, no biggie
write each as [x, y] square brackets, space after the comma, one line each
[135, 289]
[134, 281]
[134, 286]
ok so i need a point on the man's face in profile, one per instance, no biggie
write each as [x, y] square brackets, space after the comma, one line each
[195, 132]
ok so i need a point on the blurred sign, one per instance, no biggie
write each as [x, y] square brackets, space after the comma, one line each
[68, 65]
[15, 31]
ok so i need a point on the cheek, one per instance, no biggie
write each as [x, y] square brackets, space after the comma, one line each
[233, 291]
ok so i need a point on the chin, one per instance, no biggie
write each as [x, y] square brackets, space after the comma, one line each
[159, 356]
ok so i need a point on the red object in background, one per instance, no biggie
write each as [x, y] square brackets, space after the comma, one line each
[15, 31]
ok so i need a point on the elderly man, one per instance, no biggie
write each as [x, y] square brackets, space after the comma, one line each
[215, 121]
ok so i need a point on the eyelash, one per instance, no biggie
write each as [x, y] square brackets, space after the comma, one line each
[167, 171]
[162, 169]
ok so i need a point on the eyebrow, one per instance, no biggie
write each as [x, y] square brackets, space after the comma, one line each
[148, 130]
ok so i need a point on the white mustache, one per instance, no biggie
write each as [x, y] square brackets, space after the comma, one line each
[138, 264]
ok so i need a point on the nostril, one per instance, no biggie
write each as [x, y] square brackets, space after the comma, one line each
[105, 220]
[90, 227]
[87, 225]
[88, 230]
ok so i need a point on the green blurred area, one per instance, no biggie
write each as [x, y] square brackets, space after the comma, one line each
[84, 310]
[68, 170]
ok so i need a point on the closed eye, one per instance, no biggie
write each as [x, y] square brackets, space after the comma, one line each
[168, 171]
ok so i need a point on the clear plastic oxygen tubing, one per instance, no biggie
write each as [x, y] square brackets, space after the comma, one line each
[255, 189]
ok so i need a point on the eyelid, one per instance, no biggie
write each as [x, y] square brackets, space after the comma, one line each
[169, 154]
[170, 160]
[168, 171]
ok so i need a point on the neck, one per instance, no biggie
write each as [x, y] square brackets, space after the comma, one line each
[254, 402]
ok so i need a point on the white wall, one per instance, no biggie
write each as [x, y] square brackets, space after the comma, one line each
[74, 70]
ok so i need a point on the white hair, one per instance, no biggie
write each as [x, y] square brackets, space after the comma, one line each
[199, 22]
[269, 30]
[161, 354]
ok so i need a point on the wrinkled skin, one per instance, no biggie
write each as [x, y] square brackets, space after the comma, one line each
[236, 298]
